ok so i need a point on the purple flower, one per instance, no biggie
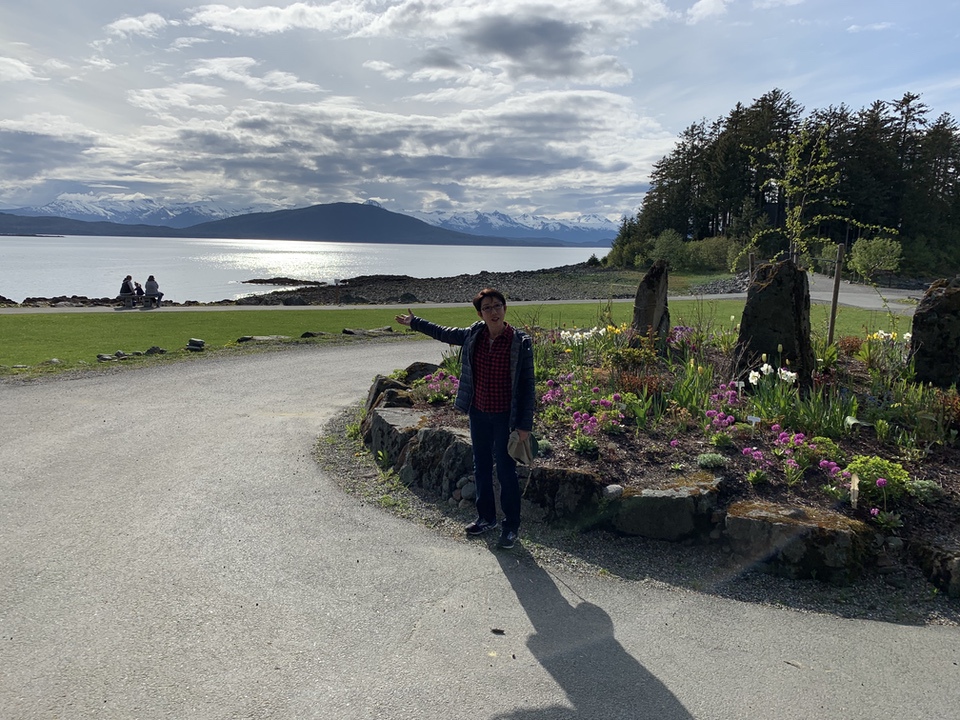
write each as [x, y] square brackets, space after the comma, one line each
[881, 482]
[595, 389]
[747, 452]
[874, 512]
[775, 427]
[674, 443]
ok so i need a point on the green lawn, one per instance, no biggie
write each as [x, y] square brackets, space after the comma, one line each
[75, 338]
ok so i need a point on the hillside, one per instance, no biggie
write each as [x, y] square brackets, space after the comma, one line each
[336, 222]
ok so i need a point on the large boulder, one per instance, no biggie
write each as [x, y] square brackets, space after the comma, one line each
[935, 341]
[682, 511]
[798, 542]
[389, 430]
[776, 323]
[566, 496]
[651, 316]
[435, 459]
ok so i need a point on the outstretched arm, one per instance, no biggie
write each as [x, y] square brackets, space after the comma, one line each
[405, 319]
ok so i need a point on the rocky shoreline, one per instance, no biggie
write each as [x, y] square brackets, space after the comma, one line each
[570, 282]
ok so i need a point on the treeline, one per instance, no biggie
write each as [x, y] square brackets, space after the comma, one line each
[766, 175]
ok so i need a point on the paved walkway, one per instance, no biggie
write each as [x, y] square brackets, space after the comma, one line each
[170, 549]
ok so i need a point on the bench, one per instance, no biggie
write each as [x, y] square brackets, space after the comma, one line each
[128, 299]
[150, 299]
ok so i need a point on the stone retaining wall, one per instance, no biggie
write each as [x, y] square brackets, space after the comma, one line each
[784, 540]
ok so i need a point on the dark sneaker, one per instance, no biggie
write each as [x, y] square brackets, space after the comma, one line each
[507, 539]
[480, 526]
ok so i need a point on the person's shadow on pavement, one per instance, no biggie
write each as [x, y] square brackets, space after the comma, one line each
[575, 644]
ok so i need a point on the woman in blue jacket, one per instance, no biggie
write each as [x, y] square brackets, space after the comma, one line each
[497, 392]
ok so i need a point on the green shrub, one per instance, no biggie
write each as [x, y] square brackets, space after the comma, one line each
[711, 461]
[870, 469]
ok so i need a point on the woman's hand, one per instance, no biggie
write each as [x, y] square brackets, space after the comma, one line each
[405, 319]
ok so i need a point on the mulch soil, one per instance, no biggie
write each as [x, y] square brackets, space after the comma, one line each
[646, 459]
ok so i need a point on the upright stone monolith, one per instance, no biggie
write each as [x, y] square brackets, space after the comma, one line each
[776, 323]
[651, 316]
[935, 340]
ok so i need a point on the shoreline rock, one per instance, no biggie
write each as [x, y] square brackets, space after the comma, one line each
[568, 282]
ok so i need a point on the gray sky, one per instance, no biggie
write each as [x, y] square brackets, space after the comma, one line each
[556, 108]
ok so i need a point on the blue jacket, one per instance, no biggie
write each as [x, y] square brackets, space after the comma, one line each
[523, 395]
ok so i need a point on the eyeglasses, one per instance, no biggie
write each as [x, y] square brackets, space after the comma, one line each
[491, 308]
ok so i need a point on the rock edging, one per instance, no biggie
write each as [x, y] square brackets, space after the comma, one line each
[782, 540]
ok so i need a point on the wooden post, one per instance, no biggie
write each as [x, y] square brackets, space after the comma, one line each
[751, 264]
[836, 294]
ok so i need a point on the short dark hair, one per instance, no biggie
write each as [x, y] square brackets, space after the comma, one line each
[488, 293]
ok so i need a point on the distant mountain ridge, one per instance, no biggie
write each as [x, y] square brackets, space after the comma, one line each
[583, 229]
[336, 222]
[586, 229]
[130, 211]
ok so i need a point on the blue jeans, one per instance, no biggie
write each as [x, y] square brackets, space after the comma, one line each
[489, 433]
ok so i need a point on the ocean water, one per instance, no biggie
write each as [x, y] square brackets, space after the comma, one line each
[210, 270]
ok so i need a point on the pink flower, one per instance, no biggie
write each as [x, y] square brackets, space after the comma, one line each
[674, 443]
[874, 512]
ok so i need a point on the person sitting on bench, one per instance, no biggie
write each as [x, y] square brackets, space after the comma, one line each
[128, 292]
[153, 291]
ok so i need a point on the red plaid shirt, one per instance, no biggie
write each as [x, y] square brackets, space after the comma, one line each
[491, 372]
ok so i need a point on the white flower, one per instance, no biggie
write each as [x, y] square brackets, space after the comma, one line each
[907, 336]
[787, 376]
[766, 368]
[754, 377]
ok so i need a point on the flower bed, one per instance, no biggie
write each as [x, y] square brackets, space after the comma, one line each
[866, 441]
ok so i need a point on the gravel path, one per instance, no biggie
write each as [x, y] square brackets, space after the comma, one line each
[170, 548]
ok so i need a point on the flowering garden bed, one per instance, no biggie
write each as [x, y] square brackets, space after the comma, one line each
[866, 441]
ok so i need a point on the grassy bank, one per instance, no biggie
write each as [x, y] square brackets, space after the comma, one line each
[76, 338]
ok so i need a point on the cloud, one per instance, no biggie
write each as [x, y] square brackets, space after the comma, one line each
[162, 101]
[384, 68]
[704, 9]
[146, 25]
[236, 69]
[874, 27]
[542, 48]
[440, 57]
[183, 43]
[565, 39]
[25, 155]
[13, 70]
[340, 15]
[521, 149]
[768, 4]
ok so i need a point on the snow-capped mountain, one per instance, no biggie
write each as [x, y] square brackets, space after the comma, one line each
[584, 228]
[139, 210]
[131, 211]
